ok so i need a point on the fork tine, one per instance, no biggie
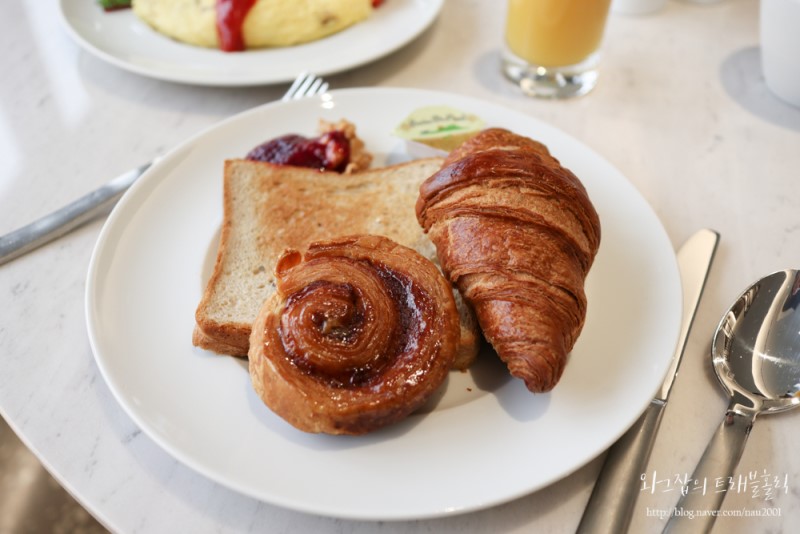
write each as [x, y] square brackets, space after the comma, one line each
[302, 91]
[292, 91]
[313, 89]
[306, 84]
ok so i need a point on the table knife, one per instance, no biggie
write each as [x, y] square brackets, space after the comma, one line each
[611, 503]
[68, 218]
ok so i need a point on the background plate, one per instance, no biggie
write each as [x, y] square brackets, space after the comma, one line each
[486, 441]
[120, 38]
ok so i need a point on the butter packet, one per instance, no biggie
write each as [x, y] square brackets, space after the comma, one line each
[440, 128]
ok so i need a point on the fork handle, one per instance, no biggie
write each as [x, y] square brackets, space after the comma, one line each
[67, 218]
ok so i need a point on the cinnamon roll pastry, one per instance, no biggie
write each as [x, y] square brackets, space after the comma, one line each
[359, 334]
[517, 233]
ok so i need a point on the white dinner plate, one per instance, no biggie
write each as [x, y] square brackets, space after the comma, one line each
[486, 441]
[120, 38]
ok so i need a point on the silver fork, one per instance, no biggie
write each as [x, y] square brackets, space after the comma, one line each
[101, 200]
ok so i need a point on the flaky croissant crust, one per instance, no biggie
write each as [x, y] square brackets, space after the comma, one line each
[517, 233]
[359, 334]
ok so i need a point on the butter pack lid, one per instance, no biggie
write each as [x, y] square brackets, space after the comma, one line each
[441, 127]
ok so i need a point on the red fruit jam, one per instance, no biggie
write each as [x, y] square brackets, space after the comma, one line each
[328, 152]
[230, 18]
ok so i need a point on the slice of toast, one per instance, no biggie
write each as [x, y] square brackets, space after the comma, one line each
[268, 208]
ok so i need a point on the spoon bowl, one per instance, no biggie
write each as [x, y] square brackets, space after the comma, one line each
[756, 356]
[756, 349]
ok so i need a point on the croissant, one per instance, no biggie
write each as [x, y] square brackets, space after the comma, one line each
[517, 233]
[359, 334]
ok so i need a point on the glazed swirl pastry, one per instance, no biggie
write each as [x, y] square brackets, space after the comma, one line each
[359, 334]
[517, 233]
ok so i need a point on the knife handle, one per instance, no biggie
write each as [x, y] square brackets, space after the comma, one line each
[611, 503]
[67, 218]
[718, 462]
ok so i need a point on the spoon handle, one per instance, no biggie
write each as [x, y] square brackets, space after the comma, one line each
[696, 510]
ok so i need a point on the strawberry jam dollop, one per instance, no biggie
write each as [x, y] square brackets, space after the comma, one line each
[328, 152]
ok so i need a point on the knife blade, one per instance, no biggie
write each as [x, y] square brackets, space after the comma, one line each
[614, 495]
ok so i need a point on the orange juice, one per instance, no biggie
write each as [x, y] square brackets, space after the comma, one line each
[554, 33]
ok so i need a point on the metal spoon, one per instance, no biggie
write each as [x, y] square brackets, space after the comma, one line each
[756, 356]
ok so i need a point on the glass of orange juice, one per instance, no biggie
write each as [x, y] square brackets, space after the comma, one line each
[553, 46]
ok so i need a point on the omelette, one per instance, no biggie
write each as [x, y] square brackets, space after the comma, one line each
[238, 24]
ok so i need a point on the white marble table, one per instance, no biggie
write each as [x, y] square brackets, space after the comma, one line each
[680, 109]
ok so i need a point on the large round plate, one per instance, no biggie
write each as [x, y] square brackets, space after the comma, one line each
[486, 441]
[120, 38]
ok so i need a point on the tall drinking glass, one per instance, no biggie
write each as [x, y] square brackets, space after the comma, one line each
[553, 46]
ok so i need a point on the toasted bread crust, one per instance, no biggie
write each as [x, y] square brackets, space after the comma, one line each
[200, 339]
